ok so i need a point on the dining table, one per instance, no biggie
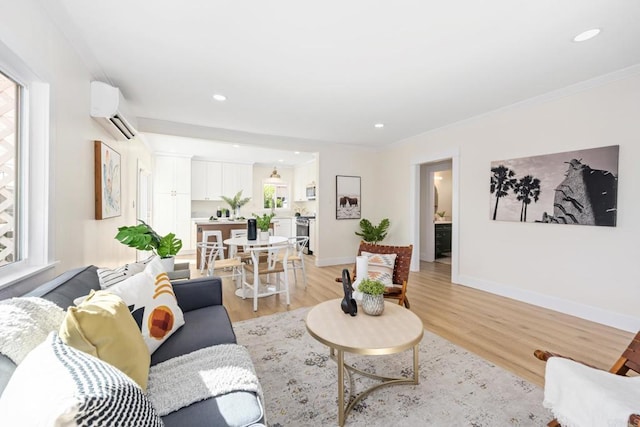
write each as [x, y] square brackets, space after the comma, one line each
[244, 242]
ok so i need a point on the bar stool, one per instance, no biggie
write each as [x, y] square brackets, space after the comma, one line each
[205, 248]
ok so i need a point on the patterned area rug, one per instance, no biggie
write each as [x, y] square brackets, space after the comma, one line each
[456, 386]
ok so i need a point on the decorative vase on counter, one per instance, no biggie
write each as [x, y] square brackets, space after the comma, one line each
[372, 304]
[218, 213]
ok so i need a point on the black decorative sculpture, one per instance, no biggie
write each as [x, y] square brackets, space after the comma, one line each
[348, 303]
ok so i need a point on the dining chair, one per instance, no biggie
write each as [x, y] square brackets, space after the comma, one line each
[242, 252]
[204, 254]
[228, 267]
[296, 257]
[266, 261]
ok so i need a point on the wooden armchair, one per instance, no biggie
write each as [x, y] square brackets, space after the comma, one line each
[400, 269]
[628, 361]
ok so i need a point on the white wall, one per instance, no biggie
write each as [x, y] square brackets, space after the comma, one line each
[76, 238]
[591, 272]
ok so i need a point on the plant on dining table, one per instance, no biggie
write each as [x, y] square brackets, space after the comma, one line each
[262, 222]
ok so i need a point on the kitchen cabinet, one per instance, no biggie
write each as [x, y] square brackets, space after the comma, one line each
[282, 227]
[206, 180]
[442, 239]
[303, 175]
[172, 197]
[236, 177]
[211, 180]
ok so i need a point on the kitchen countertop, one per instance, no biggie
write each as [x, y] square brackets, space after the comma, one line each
[441, 222]
[200, 221]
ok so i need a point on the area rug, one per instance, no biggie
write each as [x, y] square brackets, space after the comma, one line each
[456, 387]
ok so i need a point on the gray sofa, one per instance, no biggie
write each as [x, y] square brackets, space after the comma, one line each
[206, 323]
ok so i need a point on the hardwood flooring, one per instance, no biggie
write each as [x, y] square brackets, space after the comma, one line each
[501, 330]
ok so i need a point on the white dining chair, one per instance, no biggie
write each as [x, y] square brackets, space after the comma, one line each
[275, 259]
[204, 254]
[295, 261]
[228, 267]
[233, 250]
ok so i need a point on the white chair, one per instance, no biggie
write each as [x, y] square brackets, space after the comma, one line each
[204, 254]
[229, 267]
[233, 250]
[296, 257]
[275, 262]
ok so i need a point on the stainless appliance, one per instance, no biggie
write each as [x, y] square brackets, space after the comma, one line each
[311, 192]
[302, 229]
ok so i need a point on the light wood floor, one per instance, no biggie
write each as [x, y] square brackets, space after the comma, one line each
[501, 330]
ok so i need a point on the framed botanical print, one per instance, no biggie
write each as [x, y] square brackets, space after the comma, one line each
[107, 170]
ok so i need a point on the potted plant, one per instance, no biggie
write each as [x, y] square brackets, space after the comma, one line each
[262, 222]
[440, 215]
[373, 233]
[236, 202]
[372, 296]
[144, 238]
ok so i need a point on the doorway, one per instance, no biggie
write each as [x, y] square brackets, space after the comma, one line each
[145, 192]
[431, 196]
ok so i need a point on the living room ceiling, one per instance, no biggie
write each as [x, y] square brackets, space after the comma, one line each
[329, 71]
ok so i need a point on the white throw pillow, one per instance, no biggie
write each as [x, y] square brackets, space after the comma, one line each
[109, 277]
[57, 385]
[381, 267]
[150, 298]
[24, 323]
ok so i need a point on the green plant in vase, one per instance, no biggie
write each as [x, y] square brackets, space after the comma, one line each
[263, 222]
[372, 296]
[144, 238]
[236, 202]
[373, 233]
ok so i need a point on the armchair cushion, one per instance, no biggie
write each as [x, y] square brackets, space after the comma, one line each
[381, 267]
[579, 395]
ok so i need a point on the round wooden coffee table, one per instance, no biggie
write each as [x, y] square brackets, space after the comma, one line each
[395, 331]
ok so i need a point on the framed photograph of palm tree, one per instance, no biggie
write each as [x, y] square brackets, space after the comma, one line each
[575, 187]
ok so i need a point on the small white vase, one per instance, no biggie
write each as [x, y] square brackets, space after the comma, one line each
[373, 304]
[168, 263]
[264, 236]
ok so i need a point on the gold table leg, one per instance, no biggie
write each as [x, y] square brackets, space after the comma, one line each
[343, 412]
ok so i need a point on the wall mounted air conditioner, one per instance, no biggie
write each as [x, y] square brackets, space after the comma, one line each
[110, 108]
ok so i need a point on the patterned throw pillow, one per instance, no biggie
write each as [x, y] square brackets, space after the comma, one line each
[109, 277]
[150, 298]
[58, 385]
[381, 267]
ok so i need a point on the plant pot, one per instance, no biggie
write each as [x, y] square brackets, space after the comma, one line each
[168, 263]
[372, 304]
[264, 236]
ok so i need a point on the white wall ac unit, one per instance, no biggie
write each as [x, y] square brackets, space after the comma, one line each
[110, 108]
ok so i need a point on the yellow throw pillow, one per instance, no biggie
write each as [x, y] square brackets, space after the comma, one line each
[102, 326]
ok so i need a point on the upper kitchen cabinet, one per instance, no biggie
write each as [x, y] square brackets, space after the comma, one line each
[303, 176]
[206, 180]
[236, 177]
[210, 180]
[173, 174]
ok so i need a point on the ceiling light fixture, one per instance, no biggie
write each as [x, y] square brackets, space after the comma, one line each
[378, 125]
[586, 35]
[236, 146]
[275, 176]
[219, 97]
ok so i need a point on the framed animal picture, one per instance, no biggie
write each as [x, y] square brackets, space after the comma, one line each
[348, 198]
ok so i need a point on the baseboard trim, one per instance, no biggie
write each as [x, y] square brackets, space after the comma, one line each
[327, 262]
[583, 311]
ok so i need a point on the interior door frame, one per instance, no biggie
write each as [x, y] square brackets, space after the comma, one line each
[144, 190]
[415, 183]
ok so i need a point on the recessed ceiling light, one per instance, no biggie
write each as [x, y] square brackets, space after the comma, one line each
[219, 97]
[378, 125]
[236, 146]
[296, 152]
[586, 35]
[281, 160]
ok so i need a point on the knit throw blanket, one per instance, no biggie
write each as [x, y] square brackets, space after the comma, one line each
[581, 396]
[25, 322]
[204, 373]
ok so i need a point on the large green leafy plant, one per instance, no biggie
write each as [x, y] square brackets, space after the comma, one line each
[144, 238]
[262, 222]
[373, 233]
